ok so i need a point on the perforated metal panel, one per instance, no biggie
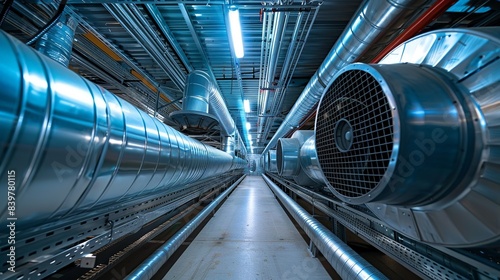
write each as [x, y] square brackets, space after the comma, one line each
[354, 133]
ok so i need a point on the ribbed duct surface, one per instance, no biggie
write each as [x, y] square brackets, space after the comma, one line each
[194, 118]
[375, 21]
[380, 133]
[417, 143]
[57, 43]
[80, 148]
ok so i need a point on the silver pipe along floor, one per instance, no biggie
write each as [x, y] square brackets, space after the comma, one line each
[249, 237]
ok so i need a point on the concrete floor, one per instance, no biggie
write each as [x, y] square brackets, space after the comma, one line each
[250, 237]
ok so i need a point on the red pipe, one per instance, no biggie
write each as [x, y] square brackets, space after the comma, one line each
[429, 16]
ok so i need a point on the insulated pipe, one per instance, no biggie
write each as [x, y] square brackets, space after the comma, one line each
[80, 147]
[148, 268]
[375, 18]
[346, 262]
[58, 41]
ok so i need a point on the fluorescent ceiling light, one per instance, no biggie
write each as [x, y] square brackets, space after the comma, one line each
[248, 126]
[250, 137]
[246, 104]
[234, 22]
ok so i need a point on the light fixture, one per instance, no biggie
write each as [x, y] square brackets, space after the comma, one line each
[246, 104]
[234, 22]
[250, 137]
[248, 126]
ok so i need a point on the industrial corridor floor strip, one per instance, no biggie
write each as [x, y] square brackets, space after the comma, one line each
[250, 237]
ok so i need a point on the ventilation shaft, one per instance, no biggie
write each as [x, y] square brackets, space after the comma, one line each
[417, 141]
[77, 148]
[203, 108]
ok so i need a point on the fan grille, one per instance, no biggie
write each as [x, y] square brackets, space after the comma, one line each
[354, 134]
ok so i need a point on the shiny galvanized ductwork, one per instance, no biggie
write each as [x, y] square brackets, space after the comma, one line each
[416, 143]
[76, 147]
[203, 108]
[57, 43]
[346, 262]
[271, 161]
[298, 161]
[374, 19]
[194, 117]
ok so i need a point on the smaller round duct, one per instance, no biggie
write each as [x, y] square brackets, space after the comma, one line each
[271, 161]
[298, 161]
[194, 118]
[287, 157]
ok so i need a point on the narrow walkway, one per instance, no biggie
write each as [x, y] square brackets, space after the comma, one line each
[250, 237]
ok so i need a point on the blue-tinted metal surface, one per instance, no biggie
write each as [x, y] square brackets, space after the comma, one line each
[346, 262]
[374, 19]
[57, 43]
[74, 146]
[462, 217]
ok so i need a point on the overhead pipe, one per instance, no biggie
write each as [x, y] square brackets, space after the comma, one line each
[203, 108]
[424, 20]
[148, 268]
[346, 262]
[81, 147]
[57, 42]
[133, 21]
[374, 18]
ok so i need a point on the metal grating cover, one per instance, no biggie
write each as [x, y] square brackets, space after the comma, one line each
[355, 158]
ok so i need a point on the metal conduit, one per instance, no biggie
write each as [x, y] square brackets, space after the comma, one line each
[375, 18]
[134, 22]
[346, 262]
[57, 42]
[81, 147]
[148, 268]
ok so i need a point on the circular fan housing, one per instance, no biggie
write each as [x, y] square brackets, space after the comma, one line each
[382, 130]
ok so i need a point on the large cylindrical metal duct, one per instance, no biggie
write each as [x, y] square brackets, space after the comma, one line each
[417, 142]
[57, 43]
[294, 159]
[374, 20]
[287, 157]
[194, 117]
[381, 133]
[271, 161]
[76, 147]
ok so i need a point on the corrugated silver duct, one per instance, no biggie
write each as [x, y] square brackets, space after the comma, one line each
[194, 117]
[346, 262]
[203, 108]
[81, 148]
[374, 19]
[294, 160]
[57, 43]
[416, 142]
